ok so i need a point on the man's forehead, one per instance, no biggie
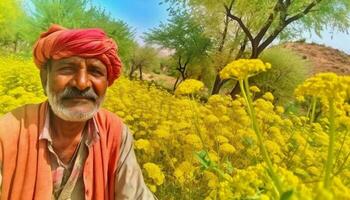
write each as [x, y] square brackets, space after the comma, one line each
[77, 59]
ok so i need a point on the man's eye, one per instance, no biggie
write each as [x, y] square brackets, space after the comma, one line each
[97, 72]
[67, 69]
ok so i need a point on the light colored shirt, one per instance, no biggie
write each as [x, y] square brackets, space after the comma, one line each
[67, 178]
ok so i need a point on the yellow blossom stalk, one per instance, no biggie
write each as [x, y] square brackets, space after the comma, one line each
[244, 85]
[313, 109]
[330, 89]
[241, 70]
[330, 156]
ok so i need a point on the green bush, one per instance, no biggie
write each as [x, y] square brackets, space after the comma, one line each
[288, 70]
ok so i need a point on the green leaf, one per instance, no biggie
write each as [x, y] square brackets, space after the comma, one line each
[287, 195]
[203, 159]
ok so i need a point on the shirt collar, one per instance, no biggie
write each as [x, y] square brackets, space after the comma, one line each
[92, 130]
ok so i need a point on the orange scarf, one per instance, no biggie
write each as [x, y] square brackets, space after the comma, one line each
[26, 172]
[58, 42]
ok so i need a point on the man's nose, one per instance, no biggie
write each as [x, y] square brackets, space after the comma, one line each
[81, 80]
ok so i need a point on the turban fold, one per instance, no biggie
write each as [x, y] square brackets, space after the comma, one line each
[59, 42]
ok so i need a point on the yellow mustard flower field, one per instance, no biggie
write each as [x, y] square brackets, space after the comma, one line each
[246, 148]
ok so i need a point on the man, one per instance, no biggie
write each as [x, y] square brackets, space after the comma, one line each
[69, 148]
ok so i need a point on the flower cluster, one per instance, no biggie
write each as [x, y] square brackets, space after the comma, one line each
[19, 83]
[189, 86]
[170, 131]
[324, 86]
[154, 173]
[243, 68]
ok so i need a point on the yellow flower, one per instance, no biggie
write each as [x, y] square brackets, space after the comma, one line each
[279, 109]
[142, 144]
[213, 156]
[254, 89]
[213, 180]
[184, 172]
[162, 132]
[154, 172]
[194, 140]
[212, 119]
[189, 86]
[227, 148]
[243, 68]
[152, 187]
[325, 86]
[264, 197]
[268, 96]
[221, 139]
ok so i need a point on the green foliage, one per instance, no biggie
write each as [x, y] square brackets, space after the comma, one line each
[254, 13]
[146, 58]
[11, 17]
[70, 14]
[183, 35]
[288, 70]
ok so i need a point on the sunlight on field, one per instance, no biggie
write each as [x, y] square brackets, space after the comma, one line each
[194, 150]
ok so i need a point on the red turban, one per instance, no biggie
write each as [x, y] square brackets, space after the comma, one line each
[59, 42]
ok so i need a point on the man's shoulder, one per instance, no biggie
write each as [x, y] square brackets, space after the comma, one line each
[108, 115]
[11, 121]
[108, 120]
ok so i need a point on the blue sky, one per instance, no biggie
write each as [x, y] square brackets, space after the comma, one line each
[139, 14]
[145, 14]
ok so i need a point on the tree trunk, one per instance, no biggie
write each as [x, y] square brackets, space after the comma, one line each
[140, 71]
[235, 91]
[216, 88]
[182, 72]
[15, 46]
[255, 52]
[176, 82]
[217, 85]
[132, 70]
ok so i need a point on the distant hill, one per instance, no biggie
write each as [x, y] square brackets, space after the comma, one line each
[323, 58]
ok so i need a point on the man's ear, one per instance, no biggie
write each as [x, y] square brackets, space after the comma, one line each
[43, 78]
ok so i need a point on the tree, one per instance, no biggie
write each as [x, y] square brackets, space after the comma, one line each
[10, 36]
[143, 57]
[264, 21]
[183, 35]
[78, 14]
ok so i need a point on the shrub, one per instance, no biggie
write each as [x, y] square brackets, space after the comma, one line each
[288, 70]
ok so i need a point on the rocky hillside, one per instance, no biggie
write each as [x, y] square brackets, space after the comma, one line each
[323, 59]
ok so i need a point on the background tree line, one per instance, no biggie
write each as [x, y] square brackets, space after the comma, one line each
[201, 36]
[242, 29]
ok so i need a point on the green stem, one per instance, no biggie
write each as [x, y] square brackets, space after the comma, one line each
[246, 94]
[314, 102]
[196, 120]
[330, 157]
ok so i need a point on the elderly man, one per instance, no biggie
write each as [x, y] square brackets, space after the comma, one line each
[69, 148]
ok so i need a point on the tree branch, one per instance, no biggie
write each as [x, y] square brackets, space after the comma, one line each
[242, 48]
[240, 22]
[302, 13]
[179, 62]
[267, 25]
[270, 38]
[224, 34]
[284, 22]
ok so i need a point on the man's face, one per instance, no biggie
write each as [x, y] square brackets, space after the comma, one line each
[76, 87]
